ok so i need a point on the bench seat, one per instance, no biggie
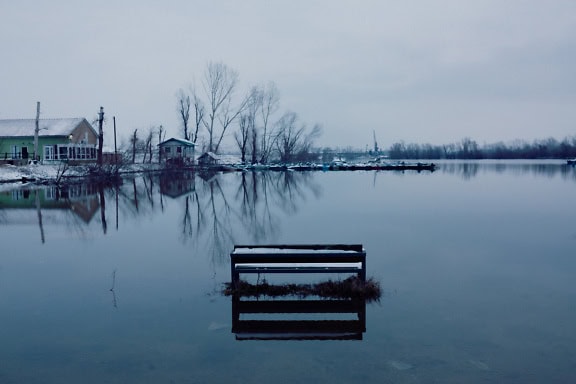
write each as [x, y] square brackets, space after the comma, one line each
[317, 258]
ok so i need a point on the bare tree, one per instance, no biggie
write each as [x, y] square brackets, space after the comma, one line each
[220, 82]
[134, 142]
[289, 135]
[199, 115]
[148, 145]
[184, 111]
[161, 135]
[242, 135]
[254, 145]
[247, 124]
[269, 104]
[294, 142]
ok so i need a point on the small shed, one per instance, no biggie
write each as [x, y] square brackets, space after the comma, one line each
[177, 151]
[209, 159]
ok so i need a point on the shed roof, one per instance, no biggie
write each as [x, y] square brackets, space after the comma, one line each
[48, 127]
[209, 154]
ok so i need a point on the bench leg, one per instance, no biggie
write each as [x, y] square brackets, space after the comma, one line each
[362, 272]
[234, 275]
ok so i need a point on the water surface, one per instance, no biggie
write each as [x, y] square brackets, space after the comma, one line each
[122, 284]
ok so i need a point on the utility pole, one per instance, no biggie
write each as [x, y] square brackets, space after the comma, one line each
[115, 147]
[100, 136]
[36, 131]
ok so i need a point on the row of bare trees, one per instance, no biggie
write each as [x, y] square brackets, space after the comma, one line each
[140, 147]
[470, 149]
[261, 135]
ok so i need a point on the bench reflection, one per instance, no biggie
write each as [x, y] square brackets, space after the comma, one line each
[291, 326]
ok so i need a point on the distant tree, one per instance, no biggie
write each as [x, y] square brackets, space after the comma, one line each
[220, 83]
[148, 145]
[184, 111]
[254, 146]
[397, 150]
[294, 141]
[242, 135]
[198, 115]
[269, 102]
[161, 135]
[134, 143]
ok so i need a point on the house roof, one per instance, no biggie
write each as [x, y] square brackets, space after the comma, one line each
[48, 127]
[179, 141]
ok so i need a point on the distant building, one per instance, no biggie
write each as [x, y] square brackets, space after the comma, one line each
[209, 159]
[73, 140]
[177, 151]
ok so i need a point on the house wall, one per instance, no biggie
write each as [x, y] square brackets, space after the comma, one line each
[186, 152]
[84, 134]
[7, 148]
[7, 144]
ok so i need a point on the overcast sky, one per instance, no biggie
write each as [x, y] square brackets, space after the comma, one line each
[426, 71]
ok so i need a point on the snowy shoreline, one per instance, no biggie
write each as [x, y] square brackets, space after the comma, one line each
[12, 176]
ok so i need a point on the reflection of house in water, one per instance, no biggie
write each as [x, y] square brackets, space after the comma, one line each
[175, 184]
[81, 199]
[341, 319]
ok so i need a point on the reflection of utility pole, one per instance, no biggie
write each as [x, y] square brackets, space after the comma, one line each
[114, 302]
[102, 208]
[117, 188]
[39, 216]
[135, 194]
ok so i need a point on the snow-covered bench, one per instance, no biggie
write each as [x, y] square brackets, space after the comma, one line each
[299, 258]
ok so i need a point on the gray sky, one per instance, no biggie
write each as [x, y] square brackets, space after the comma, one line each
[413, 70]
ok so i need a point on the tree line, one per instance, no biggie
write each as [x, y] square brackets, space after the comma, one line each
[207, 114]
[260, 131]
[467, 148]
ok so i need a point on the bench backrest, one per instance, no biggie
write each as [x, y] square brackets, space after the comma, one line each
[318, 253]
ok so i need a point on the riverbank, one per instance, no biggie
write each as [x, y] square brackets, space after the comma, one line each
[12, 176]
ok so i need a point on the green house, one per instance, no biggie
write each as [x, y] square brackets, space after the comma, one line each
[177, 152]
[59, 140]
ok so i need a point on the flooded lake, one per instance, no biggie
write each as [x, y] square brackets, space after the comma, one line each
[123, 284]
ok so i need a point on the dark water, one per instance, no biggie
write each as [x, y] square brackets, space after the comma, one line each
[123, 285]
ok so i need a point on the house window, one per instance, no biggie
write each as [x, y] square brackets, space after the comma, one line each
[48, 152]
[167, 150]
[63, 153]
[179, 149]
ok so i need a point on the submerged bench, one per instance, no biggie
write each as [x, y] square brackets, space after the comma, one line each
[299, 258]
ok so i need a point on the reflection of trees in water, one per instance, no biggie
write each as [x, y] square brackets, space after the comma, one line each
[135, 197]
[217, 209]
[469, 170]
[213, 212]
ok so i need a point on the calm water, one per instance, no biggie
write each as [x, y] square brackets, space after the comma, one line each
[123, 285]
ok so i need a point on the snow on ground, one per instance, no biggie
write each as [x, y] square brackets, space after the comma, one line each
[11, 176]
